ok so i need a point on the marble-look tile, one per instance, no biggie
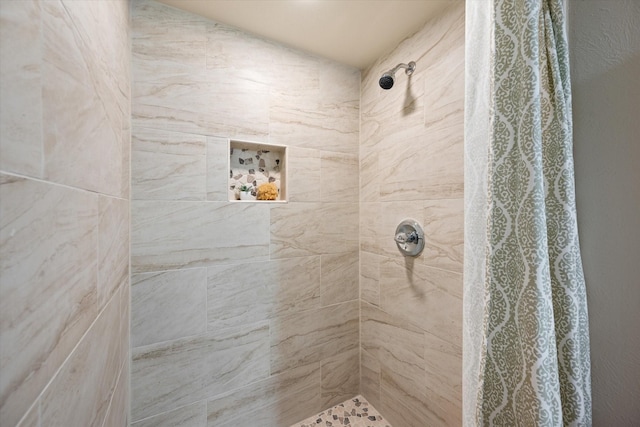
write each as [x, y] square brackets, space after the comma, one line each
[338, 82]
[399, 348]
[281, 413]
[118, 415]
[308, 337]
[168, 305]
[369, 377]
[194, 415]
[48, 272]
[409, 290]
[167, 37]
[82, 113]
[21, 101]
[444, 233]
[444, 378]
[168, 165]
[303, 229]
[32, 418]
[125, 323]
[88, 376]
[241, 54]
[170, 235]
[250, 292]
[217, 169]
[263, 399]
[369, 176]
[113, 247]
[444, 92]
[370, 277]
[370, 227]
[172, 374]
[304, 175]
[340, 377]
[340, 181]
[339, 278]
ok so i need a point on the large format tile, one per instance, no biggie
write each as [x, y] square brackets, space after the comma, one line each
[304, 184]
[370, 277]
[169, 235]
[113, 247]
[194, 415]
[303, 229]
[172, 374]
[443, 222]
[428, 297]
[168, 305]
[88, 376]
[311, 336]
[83, 115]
[118, 415]
[20, 85]
[251, 292]
[340, 182]
[168, 165]
[217, 169]
[339, 278]
[48, 272]
[340, 377]
[369, 377]
[263, 398]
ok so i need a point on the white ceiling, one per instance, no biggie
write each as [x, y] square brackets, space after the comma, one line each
[354, 32]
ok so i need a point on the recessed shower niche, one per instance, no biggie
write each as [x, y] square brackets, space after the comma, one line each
[253, 164]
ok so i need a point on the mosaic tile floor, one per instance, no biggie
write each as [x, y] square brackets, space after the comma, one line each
[356, 412]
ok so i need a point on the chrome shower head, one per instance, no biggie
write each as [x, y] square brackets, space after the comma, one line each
[388, 78]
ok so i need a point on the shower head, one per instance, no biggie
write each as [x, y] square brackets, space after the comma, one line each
[388, 78]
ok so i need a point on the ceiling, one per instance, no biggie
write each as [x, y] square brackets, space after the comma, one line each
[353, 32]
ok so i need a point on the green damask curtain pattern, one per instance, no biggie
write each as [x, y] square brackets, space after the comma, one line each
[526, 326]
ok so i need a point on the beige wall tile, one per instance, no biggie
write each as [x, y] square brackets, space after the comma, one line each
[83, 116]
[303, 229]
[168, 305]
[340, 377]
[443, 362]
[443, 223]
[21, 101]
[265, 398]
[311, 336]
[88, 376]
[369, 176]
[113, 247]
[170, 235]
[194, 415]
[118, 414]
[369, 227]
[304, 183]
[370, 278]
[370, 378]
[32, 418]
[340, 181]
[284, 412]
[125, 324]
[250, 292]
[168, 165]
[48, 284]
[425, 296]
[172, 374]
[339, 278]
[217, 169]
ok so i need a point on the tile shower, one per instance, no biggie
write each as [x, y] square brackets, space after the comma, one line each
[239, 311]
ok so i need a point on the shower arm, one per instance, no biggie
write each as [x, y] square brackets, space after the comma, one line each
[409, 68]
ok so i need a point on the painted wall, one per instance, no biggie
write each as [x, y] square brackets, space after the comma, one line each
[64, 213]
[240, 311]
[411, 166]
[605, 65]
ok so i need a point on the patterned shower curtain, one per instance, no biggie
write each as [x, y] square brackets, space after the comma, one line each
[526, 333]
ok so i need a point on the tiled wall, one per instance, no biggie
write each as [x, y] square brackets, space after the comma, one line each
[64, 213]
[240, 311]
[411, 165]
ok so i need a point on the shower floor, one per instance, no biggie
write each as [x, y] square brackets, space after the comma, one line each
[356, 412]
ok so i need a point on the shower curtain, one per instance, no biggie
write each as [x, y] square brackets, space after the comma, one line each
[526, 338]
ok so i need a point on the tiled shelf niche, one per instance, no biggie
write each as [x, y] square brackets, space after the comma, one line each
[257, 163]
